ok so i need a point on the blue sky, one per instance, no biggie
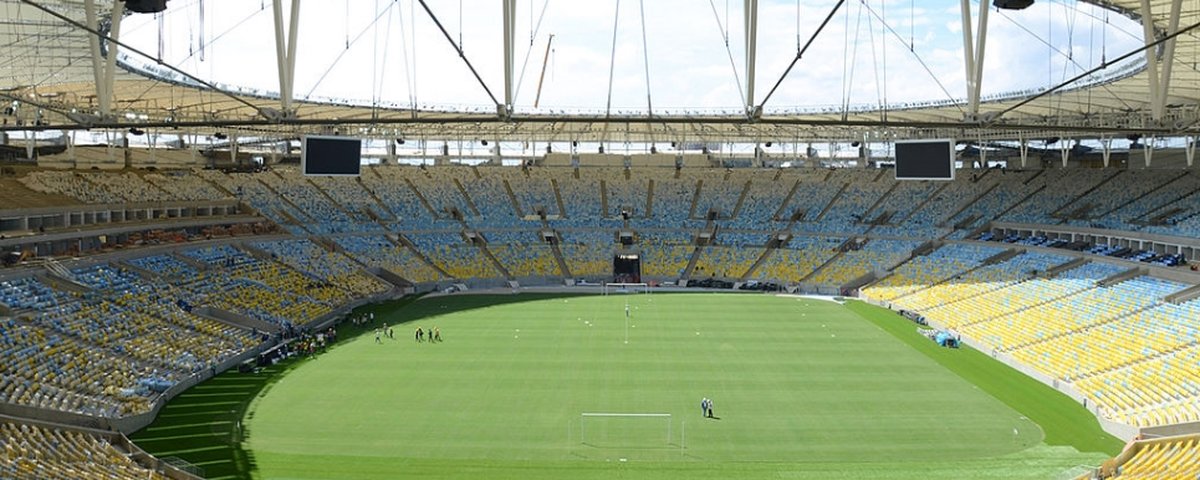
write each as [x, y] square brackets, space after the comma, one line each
[399, 55]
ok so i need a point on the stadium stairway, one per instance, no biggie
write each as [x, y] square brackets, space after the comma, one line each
[695, 198]
[737, 207]
[336, 204]
[882, 200]
[512, 198]
[649, 196]
[936, 193]
[1144, 195]
[603, 196]
[495, 262]
[1122, 276]
[1065, 208]
[287, 200]
[768, 250]
[371, 194]
[832, 201]
[827, 263]
[562, 262]
[1184, 295]
[1022, 200]
[966, 205]
[403, 242]
[780, 212]
[562, 207]
[1057, 269]
[424, 201]
[687, 271]
[470, 203]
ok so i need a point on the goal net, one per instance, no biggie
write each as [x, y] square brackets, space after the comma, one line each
[626, 288]
[624, 430]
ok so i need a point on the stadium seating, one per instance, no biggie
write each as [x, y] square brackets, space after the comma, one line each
[99, 350]
[802, 256]
[725, 262]
[168, 268]
[875, 255]
[379, 251]
[390, 185]
[1045, 204]
[71, 184]
[326, 216]
[185, 185]
[588, 253]
[526, 260]
[922, 272]
[1177, 457]
[322, 264]
[45, 453]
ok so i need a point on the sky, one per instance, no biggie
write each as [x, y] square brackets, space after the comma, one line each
[872, 51]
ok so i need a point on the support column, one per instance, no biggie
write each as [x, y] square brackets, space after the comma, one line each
[1148, 149]
[1064, 148]
[751, 19]
[285, 52]
[233, 149]
[1151, 59]
[1106, 152]
[103, 69]
[1190, 150]
[973, 53]
[510, 38]
[1024, 149]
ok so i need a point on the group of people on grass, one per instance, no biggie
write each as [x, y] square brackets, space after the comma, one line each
[433, 335]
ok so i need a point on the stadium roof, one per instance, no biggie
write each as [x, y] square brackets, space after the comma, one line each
[49, 63]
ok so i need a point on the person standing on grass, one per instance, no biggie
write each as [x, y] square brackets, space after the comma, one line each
[704, 406]
[417, 334]
[710, 408]
[377, 333]
[437, 334]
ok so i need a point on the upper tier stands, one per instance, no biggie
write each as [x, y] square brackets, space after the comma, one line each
[378, 251]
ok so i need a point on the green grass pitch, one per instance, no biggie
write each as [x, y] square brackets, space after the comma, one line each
[803, 389]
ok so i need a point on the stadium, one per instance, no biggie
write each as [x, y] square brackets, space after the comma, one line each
[411, 238]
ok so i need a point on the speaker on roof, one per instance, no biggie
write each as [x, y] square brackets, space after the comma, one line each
[145, 6]
[1012, 4]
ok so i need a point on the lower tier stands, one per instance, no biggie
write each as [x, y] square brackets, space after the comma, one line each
[1175, 457]
[1118, 343]
[35, 452]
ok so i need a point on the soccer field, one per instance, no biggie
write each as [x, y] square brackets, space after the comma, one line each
[802, 389]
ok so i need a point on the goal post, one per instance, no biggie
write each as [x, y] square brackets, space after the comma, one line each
[625, 429]
[620, 287]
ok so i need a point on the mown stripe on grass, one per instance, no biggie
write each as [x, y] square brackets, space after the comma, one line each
[168, 453]
[186, 426]
[180, 437]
